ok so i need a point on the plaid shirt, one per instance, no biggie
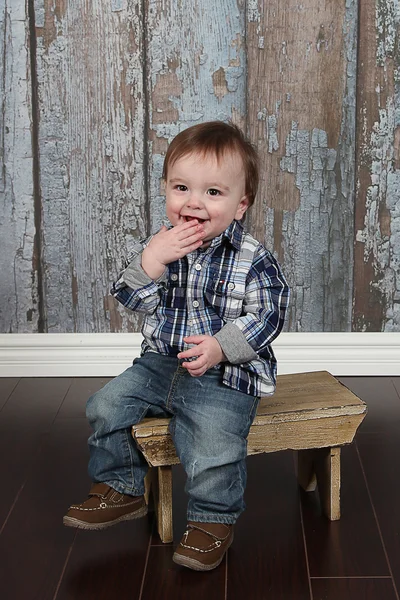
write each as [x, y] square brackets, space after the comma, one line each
[235, 280]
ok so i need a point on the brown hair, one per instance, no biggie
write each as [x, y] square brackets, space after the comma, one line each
[218, 138]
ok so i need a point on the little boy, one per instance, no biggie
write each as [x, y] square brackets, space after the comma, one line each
[214, 299]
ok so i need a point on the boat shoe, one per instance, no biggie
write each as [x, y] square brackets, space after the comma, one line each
[103, 508]
[203, 545]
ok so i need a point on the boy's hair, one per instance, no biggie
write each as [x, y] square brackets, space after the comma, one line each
[217, 138]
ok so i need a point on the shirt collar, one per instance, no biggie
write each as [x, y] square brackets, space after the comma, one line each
[233, 234]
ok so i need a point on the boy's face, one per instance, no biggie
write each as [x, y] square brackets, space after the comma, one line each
[199, 187]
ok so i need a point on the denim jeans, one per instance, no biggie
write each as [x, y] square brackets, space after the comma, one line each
[209, 426]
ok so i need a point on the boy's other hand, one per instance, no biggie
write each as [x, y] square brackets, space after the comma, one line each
[171, 244]
[207, 350]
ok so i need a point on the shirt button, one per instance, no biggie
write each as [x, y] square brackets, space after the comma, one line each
[190, 322]
[196, 304]
[174, 277]
[198, 267]
[231, 286]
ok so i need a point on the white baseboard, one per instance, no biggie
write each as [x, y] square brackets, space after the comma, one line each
[108, 354]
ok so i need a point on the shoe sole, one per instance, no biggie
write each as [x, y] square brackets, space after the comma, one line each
[72, 522]
[196, 565]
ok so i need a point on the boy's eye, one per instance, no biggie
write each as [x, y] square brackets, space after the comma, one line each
[214, 192]
[181, 188]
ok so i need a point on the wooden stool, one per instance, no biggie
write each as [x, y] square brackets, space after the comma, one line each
[312, 413]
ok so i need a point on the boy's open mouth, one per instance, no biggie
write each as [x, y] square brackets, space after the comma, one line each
[187, 219]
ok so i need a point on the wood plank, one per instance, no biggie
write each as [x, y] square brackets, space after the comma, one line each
[197, 72]
[301, 117]
[352, 546]
[109, 565]
[306, 391]
[157, 446]
[36, 520]
[382, 400]
[81, 389]
[25, 422]
[309, 410]
[7, 386]
[19, 294]
[173, 581]
[380, 456]
[353, 589]
[267, 557]
[377, 218]
[91, 140]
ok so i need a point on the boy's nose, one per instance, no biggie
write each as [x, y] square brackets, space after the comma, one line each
[194, 201]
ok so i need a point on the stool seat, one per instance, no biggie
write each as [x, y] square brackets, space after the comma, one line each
[312, 413]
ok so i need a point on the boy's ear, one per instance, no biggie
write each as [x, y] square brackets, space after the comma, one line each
[243, 206]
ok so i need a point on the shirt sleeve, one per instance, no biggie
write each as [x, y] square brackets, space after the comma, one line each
[134, 289]
[265, 305]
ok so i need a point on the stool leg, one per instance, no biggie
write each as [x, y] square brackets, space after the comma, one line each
[322, 467]
[327, 467]
[149, 484]
[163, 503]
[305, 470]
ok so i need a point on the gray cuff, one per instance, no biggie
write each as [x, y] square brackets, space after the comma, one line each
[234, 345]
[135, 277]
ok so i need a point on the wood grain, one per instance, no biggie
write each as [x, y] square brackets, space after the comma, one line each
[309, 410]
[197, 72]
[19, 293]
[91, 142]
[301, 117]
[377, 217]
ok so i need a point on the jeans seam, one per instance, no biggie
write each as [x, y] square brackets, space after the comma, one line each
[128, 432]
[172, 389]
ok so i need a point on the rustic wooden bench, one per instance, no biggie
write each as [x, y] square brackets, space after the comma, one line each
[312, 413]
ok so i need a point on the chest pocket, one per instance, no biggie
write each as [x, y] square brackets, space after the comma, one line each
[226, 297]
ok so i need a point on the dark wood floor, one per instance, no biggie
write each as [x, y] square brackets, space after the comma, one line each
[283, 549]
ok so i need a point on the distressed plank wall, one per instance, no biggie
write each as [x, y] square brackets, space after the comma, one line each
[91, 145]
[377, 250]
[301, 114]
[18, 262]
[115, 80]
[197, 72]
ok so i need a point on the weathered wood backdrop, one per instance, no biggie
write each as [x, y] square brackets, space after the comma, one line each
[92, 91]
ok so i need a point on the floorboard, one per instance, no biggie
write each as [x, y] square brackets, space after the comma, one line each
[25, 423]
[383, 403]
[351, 546]
[7, 386]
[165, 579]
[267, 558]
[283, 549]
[353, 589]
[34, 541]
[381, 463]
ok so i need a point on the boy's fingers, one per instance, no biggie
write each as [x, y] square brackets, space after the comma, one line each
[189, 353]
[192, 239]
[195, 365]
[194, 339]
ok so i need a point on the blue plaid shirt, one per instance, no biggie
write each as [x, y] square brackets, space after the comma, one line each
[234, 282]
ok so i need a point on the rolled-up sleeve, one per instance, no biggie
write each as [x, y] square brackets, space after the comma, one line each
[264, 307]
[134, 289]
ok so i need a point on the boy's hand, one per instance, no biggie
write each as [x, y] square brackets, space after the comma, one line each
[171, 244]
[208, 351]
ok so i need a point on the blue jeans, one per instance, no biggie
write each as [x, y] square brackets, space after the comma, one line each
[209, 426]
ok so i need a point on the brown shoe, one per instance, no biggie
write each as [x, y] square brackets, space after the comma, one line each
[203, 545]
[103, 508]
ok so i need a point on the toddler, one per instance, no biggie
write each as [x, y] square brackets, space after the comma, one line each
[213, 300]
